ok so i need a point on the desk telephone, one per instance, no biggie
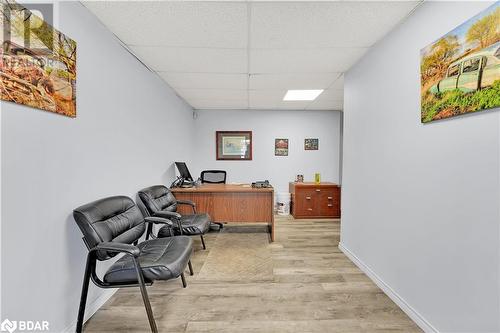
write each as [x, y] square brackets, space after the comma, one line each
[262, 184]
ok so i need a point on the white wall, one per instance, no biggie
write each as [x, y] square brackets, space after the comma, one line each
[420, 203]
[125, 137]
[267, 126]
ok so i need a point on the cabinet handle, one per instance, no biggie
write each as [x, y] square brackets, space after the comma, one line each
[318, 190]
[309, 209]
[330, 205]
[330, 198]
[308, 198]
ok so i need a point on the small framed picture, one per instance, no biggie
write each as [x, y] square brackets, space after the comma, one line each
[311, 144]
[280, 147]
[233, 145]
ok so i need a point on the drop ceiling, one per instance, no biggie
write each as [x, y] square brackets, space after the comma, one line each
[247, 54]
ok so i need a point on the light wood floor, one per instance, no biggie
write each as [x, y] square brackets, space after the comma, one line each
[300, 283]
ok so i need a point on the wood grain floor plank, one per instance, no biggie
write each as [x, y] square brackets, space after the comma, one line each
[313, 288]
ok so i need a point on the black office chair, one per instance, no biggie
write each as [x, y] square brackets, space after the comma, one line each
[114, 225]
[160, 202]
[213, 176]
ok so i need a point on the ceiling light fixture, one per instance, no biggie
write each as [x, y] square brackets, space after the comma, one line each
[302, 95]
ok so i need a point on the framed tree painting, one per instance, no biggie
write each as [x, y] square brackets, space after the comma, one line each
[38, 62]
[233, 145]
[460, 72]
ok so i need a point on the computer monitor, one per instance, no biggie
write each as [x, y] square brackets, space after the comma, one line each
[184, 171]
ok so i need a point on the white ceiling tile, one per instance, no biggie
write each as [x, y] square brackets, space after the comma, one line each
[273, 99]
[276, 94]
[193, 60]
[261, 105]
[218, 104]
[324, 24]
[202, 48]
[331, 94]
[338, 84]
[205, 80]
[293, 105]
[213, 94]
[170, 23]
[260, 99]
[328, 60]
[292, 81]
[326, 105]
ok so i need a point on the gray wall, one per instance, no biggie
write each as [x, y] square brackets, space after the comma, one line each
[267, 126]
[125, 137]
[420, 202]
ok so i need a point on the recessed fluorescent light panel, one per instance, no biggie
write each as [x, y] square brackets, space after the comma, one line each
[302, 95]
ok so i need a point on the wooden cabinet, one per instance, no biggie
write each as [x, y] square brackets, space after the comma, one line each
[310, 200]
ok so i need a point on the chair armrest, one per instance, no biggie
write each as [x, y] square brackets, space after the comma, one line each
[188, 202]
[158, 220]
[171, 215]
[168, 215]
[118, 247]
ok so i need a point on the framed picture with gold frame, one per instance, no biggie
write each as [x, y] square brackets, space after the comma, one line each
[233, 145]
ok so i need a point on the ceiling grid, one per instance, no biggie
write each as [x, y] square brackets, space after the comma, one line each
[247, 54]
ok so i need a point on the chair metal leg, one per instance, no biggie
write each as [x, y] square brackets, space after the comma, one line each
[183, 278]
[83, 297]
[145, 297]
[179, 225]
[190, 268]
[203, 242]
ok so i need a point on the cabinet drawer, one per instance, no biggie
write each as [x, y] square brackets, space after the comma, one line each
[329, 197]
[329, 209]
[329, 203]
[305, 203]
[307, 192]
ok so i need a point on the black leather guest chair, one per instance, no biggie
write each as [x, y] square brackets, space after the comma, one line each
[213, 176]
[160, 202]
[114, 225]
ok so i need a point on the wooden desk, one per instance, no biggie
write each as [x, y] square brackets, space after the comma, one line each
[231, 203]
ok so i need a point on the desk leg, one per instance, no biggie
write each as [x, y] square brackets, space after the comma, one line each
[272, 227]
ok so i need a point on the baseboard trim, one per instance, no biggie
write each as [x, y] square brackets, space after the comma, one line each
[411, 312]
[92, 308]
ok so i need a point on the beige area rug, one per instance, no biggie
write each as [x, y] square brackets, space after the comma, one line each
[239, 257]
